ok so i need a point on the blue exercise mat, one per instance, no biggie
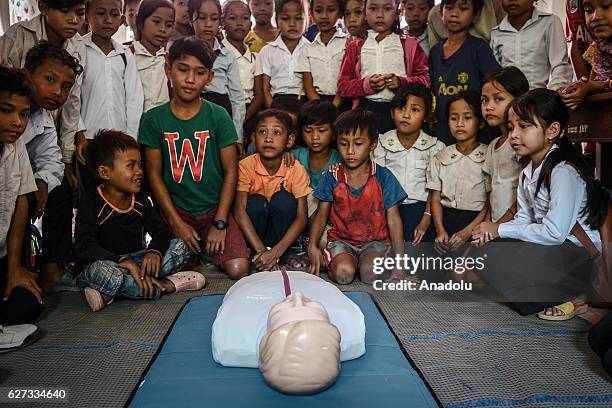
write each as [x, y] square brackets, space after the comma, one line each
[185, 375]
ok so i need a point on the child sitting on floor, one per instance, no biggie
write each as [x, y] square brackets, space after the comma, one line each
[21, 296]
[501, 164]
[407, 152]
[270, 205]
[361, 198]
[110, 231]
[455, 176]
[560, 208]
[316, 121]
[192, 161]
[598, 15]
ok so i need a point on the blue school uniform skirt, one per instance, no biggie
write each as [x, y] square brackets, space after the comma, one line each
[411, 215]
[382, 110]
[455, 220]
[346, 105]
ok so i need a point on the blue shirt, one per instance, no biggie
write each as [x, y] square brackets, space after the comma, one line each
[303, 155]
[226, 81]
[463, 71]
[392, 191]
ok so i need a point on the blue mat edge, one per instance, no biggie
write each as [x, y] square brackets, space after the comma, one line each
[369, 295]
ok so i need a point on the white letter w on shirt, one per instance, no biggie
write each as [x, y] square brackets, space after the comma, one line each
[195, 163]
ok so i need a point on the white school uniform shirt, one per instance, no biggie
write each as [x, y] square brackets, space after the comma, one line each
[539, 49]
[40, 139]
[409, 166]
[152, 76]
[111, 94]
[15, 179]
[246, 65]
[548, 218]
[502, 168]
[279, 64]
[385, 57]
[459, 178]
[323, 62]
[14, 46]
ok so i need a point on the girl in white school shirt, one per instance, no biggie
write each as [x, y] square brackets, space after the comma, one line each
[154, 22]
[407, 151]
[541, 266]
[502, 165]
[455, 176]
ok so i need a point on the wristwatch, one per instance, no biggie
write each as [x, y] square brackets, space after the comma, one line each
[220, 224]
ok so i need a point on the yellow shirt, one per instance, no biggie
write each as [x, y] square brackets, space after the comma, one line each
[254, 41]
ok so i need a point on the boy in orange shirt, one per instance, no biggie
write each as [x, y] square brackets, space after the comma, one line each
[270, 205]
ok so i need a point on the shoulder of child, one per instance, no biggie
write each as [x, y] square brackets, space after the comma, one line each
[479, 154]
[426, 142]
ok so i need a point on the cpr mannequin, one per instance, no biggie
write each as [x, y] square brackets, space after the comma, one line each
[297, 340]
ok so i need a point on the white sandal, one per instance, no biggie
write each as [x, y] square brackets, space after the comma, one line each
[187, 280]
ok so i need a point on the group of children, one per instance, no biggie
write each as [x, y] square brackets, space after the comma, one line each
[250, 146]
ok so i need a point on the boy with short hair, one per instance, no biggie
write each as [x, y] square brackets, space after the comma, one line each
[111, 93]
[361, 199]
[130, 9]
[191, 161]
[58, 23]
[270, 205]
[459, 62]
[21, 296]
[415, 14]
[43, 62]
[110, 231]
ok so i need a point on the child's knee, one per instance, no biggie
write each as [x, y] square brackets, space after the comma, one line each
[236, 268]
[282, 199]
[342, 270]
[104, 274]
[257, 206]
[22, 306]
[366, 266]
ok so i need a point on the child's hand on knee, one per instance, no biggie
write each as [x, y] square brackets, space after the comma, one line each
[215, 241]
[189, 236]
[150, 264]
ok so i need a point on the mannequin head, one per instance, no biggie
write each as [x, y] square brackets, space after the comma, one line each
[300, 354]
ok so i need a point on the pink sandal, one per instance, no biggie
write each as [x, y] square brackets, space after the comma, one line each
[187, 280]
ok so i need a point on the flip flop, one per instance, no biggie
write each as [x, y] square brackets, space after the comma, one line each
[569, 311]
